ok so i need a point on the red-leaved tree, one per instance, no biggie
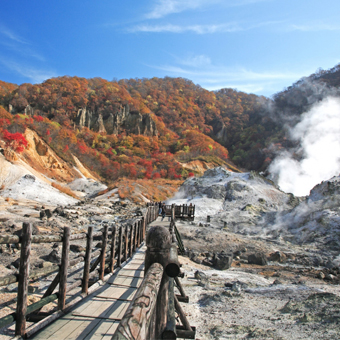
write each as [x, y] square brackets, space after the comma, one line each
[15, 141]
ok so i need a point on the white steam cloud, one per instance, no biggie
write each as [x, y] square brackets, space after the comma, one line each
[319, 135]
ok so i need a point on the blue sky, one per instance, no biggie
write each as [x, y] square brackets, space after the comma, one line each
[255, 46]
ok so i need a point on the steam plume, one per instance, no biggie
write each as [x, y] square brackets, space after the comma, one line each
[318, 134]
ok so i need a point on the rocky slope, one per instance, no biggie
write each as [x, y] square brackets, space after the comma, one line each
[282, 254]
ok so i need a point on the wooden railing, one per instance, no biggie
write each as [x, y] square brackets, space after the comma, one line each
[183, 212]
[118, 245]
[151, 314]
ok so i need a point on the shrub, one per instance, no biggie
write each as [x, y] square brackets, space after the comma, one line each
[15, 141]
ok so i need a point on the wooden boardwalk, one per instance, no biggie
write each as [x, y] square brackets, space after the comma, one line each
[98, 315]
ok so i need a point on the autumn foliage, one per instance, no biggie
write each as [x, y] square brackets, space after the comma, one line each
[14, 141]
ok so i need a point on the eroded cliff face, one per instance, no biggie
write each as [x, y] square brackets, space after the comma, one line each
[115, 123]
[41, 158]
[220, 131]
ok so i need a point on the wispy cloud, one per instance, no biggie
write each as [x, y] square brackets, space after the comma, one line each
[33, 74]
[198, 29]
[163, 8]
[315, 27]
[203, 71]
[231, 27]
[6, 32]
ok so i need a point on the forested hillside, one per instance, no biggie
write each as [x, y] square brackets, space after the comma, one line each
[146, 128]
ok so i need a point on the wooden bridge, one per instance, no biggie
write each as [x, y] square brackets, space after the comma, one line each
[123, 304]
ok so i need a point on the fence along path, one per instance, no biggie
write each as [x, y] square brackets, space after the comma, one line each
[106, 309]
[118, 246]
[97, 316]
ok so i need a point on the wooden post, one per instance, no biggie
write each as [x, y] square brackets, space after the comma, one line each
[85, 284]
[180, 287]
[120, 241]
[173, 207]
[138, 233]
[24, 268]
[63, 268]
[143, 226]
[182, 316]
[102, 255]
[136, 321]
[158, 242]
[135, 236]
[170, 329]
[113, 249]
[126, 243]
[130, 243]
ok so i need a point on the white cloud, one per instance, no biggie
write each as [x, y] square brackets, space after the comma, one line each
[163, 8]
[11, 35]
[201, 70]
[198, 29]
[214, 73]
[201, 29]
[314, 27]
[35, 75]
[166, 7]
[196, 61]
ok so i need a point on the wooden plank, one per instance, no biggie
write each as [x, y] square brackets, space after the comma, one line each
[104, 309]
[103, 331]
[131, 273]
[135, 266]
[79, 328]
[118, 293]
[67, 328]
[53, 328]
[128, 281]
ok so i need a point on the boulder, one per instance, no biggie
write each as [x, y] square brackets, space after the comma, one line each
[222, 261]
[277, 257]
[76, 248]
[257, 258]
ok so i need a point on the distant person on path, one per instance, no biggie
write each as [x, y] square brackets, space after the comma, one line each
[160, 208]
[163, 211]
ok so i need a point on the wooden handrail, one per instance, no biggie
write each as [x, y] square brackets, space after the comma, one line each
[134, 237]
[137, 318]
[152, 312]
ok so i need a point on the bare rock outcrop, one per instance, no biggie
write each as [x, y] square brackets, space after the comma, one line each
[115, 123]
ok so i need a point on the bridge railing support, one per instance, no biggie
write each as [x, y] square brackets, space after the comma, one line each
[151, 314]
[105, 258]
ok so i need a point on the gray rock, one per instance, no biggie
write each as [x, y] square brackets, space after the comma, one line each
[16, 263]
[277, 257]
[54, 256]
[200, 275]
[77, 248]
[329, 277]
[222, 261]
[13, 287]
[258, 258]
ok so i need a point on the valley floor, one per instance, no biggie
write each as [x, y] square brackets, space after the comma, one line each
[273, 301]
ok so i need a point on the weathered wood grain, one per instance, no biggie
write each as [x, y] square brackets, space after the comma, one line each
[135, 323]
[63, 268]
[24, 267]
[86, 273]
